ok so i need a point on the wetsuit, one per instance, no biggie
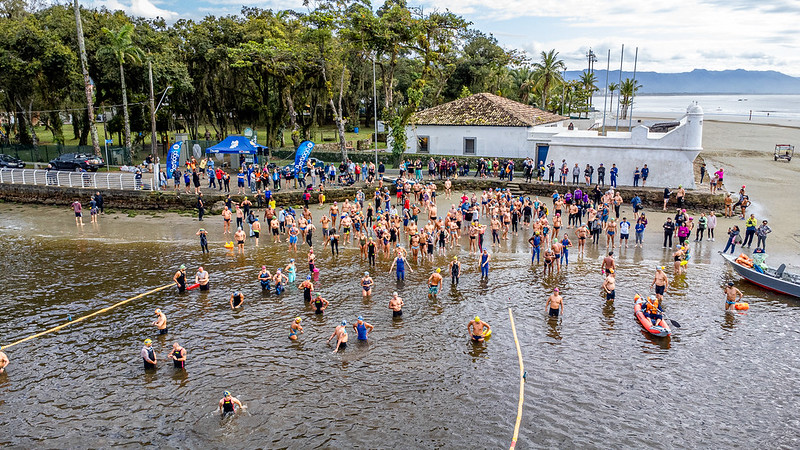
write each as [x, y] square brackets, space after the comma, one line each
[182, 282]
[318, 306]
[151, 354]
[334, 245]
[178, 364]
[237, 300]
[565, 251]
[484, 265]
[371, 253]
[204, 243]
[454, 271]
[307, 294]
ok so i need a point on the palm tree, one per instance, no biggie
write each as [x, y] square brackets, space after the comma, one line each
[612, 87]
[523, 82]
[87, 84]
[627, 91]
[122, 48]
[548, 73]
[588, 82]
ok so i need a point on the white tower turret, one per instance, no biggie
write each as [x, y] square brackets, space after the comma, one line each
[694, 128]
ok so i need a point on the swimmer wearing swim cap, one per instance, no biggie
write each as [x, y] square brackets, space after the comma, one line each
[435, 282]
[229, 405]
[236, 300]
[340, 333]
[366, 285]
[161, 322]
[308, 287]
[477, 329]
[295, 329]
[148, 355]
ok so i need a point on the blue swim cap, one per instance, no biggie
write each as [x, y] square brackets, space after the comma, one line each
[360, 318]
[226, 393]
[344, 323]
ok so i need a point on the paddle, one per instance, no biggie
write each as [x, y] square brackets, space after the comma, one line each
[664, 315]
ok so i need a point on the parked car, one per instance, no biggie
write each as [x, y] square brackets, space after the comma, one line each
[11, 162]
[77, 161]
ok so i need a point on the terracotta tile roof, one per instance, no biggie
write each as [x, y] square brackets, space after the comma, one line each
[484, 110]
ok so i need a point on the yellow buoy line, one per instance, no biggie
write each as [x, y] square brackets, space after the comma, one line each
[521, 381]
[79, 319]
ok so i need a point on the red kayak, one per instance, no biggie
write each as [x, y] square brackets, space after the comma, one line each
[660, 329]
[192, 286]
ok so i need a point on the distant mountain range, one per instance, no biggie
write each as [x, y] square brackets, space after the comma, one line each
[700, 81]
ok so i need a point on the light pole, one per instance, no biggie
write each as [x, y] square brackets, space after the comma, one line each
[153, 111]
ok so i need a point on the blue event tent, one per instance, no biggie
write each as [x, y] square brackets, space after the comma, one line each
[236, 145]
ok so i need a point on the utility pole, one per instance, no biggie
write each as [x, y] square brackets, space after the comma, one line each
[375, 109]
[621, 58]
[86, 79]
[153, 147]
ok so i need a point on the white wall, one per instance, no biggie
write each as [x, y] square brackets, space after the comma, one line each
[489, 141]
[669, 156]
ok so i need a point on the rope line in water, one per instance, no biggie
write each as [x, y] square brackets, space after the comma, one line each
[521, 381]
[79, 319]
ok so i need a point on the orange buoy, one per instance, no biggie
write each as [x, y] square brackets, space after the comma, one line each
[742, 306]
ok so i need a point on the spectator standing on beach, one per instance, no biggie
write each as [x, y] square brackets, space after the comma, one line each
[613, 174]
[761, 233]
[645, 174]
[78, 208]
[99, 199]
[702, 172]
[601, 175]
[733, 239]
[667, 194]
[576, 174]
[551, 171]
[636, 174]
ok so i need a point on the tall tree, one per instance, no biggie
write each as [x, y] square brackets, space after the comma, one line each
[627, 91]
[122, 48]
[612, 87]
[588, 82]
[548, 73]
[87, 83]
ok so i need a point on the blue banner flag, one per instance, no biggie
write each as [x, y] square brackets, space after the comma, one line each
[173, 157]
[301, 156]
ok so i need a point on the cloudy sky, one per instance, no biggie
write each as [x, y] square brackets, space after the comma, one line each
[672, 36]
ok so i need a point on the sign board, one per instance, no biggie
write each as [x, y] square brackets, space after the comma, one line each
[248, 132]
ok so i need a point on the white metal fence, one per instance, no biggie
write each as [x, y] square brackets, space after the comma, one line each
[89, 180]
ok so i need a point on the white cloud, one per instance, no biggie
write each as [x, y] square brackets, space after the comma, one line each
[141, 8]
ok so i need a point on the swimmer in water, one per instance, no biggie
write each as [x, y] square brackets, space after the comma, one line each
[3, 362]
[434, 282]
[340, 333]
[264, 277]
[475, 328]
[555, 304]
[178, 356]
[455, 270]
[291, 270]
[366, 284]
[319, 304]
[149, 355]
[308, 287]
[280, 280]
[161, 322]
[237, 300]
[239, 236]
[661, 282]
[180, 278]
[295, 328]
[732, 296]
[608, 264]
[610, 286]
[229, 404]
[362, 328]
[201, 278]
[396, 305]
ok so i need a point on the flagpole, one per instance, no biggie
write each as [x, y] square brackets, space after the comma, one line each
[621, 57]
[605, 96]
[633, 93]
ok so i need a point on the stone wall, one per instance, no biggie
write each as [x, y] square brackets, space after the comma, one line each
[64, 196]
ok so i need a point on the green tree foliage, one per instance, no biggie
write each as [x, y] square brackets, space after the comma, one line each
[279, 70]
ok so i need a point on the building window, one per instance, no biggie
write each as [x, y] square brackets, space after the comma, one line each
[423, 144]
[469, 146]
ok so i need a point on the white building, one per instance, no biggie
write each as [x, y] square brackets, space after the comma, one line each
[486, 125]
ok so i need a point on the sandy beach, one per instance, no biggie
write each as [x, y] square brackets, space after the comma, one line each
[745, 151]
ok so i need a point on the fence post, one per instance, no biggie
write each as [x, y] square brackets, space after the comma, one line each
[23, 176]
[69, 175]
[1, 175]
[108, 182]
[12, 176]
[121, 185]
